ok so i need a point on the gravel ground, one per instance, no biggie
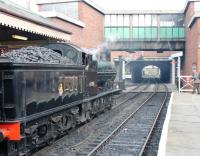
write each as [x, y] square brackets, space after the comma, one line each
[152, 145]
[130, 139]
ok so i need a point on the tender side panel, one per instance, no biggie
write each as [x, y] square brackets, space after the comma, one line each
[45, 90]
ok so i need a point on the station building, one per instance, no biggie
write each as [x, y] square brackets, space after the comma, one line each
[192, 37]
[83, 18]
[77, 22]
[20, 27]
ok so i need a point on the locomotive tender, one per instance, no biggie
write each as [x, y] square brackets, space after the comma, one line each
[41, 100]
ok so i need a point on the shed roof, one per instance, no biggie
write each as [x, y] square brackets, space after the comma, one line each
[14, 16]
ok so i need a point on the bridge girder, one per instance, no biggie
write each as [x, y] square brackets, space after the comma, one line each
[132, 46]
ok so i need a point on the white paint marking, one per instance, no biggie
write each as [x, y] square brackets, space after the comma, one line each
[163, 139]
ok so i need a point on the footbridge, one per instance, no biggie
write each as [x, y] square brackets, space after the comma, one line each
[144, 31]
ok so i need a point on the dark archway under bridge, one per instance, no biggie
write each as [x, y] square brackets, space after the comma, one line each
[138, 65]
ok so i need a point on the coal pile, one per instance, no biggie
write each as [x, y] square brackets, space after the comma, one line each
[36, 55]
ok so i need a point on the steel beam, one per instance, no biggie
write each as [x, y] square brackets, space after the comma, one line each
[132, 46]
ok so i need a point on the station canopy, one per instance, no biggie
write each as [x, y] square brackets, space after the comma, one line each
[17, 22]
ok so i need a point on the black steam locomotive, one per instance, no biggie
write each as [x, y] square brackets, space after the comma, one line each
[45, 91]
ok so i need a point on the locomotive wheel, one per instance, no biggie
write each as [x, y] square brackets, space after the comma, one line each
[109, 107]
[42, 130]
[51, 141]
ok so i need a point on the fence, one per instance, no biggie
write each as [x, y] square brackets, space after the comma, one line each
[185, 83]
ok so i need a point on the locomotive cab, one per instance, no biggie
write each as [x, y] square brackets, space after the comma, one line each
[91, 74]
[105, 75]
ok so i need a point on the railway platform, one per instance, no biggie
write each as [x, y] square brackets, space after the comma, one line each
[181, 130]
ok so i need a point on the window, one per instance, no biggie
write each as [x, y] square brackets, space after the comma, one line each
[141, 33]
[166, 20]
[126, 20]
[162, 32]
[181, 33]
[114, 32]
[154, 33]
[141, 20]
[147, 20]
[120, 32]
[154, 20]
[169, 32]
[148, 32]
[107, 20]
[135, 20]
[120, 20]
[175, 32]
[135, 33]
[68, 9]
[107, 31]
[126, 32]
[144, 26]
[113, 20]
[197, 6]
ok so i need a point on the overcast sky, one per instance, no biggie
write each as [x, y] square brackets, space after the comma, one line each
[141, 4]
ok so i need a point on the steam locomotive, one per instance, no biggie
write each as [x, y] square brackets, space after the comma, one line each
[45, 91]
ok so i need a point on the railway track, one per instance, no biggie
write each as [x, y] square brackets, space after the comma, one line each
[87, 137]
[130, 95]
[81, 135]
[124, 139]
[139, 87]
[152, 146]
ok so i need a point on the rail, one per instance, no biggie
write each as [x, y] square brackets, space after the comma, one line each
[150, 132]
[137, 93]
[116, 130]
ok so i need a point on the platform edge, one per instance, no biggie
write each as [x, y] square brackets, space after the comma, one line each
[163, 138]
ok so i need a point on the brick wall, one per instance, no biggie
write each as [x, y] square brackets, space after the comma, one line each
[94, 30]
[90, 36]
[192, 40]
[136, 55]
[76, 37]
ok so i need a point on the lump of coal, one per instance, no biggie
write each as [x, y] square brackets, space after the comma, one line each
[37, 55]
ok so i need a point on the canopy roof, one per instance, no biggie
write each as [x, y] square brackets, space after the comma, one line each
[14, 16]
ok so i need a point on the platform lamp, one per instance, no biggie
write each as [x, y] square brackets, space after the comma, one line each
[20, 37]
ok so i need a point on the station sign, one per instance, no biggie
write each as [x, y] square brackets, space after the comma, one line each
[179, 54]
[173, 62]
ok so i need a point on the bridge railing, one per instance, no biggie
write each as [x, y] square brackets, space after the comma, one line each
[185, 83]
